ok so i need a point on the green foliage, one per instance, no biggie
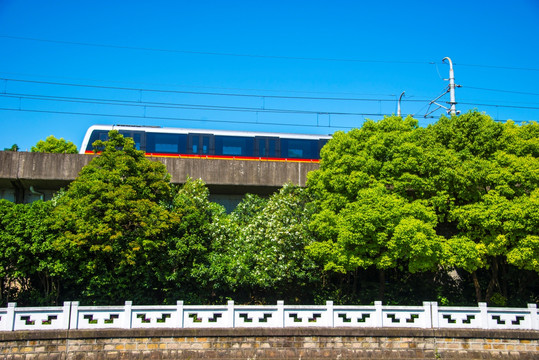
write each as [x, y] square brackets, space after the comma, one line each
[396, 212]
[192, 236]
[13, 147]
[112, 223]
[460, 193]
[54, 145]
[267, 260]
[365, 191]
[378, 229]
[31, 267]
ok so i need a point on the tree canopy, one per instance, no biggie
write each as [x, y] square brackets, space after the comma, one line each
[459, 193]
[13, 147]
[395, 212]
[54, 145]
[112, 223]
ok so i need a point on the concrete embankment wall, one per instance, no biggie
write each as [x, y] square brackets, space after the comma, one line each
[300, 343]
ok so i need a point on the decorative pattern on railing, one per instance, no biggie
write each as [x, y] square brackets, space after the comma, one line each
[129, 316]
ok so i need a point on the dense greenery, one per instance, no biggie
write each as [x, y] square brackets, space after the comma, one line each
[54, 145]
[459, 195]
[396, 212]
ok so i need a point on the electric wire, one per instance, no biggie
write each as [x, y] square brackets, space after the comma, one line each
[219, 120]
[248, 95]
[498, 67]
[165, 105]
[213, 53]
[184, 119]
[205, 107]
[280, 57]
[184, 91]
[504, 91]
[3, 73]
[168, 105]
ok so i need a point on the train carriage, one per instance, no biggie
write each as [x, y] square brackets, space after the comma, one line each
[213, 144]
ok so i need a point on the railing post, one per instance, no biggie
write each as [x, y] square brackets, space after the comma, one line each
[427, 324]
[484, 315]
[280, 312]
[74, 317]
[533, 313]
[66, 314]
[434, 314]
[10, 316]
[331, 317]
[128, 308]
[179, 309]
[230, 314]
[378, 314]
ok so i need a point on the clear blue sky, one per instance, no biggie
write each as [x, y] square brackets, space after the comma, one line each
[286, 56]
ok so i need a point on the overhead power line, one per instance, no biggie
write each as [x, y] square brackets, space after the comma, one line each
[214, 53]
[112, 46]
[502, 106]
[238, 95]
[499, 67]
[190, 92]
[3, 73]
[185, 119]
[173, 105]
[499, 90]
[168, 105]
[215, 120]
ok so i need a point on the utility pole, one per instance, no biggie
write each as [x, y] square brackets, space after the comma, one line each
[452, 102]
[399, 105]
[451, 90]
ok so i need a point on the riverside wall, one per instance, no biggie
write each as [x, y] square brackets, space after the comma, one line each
[299, 343]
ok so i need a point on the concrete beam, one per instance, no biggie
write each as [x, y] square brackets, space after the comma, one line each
[20, 170]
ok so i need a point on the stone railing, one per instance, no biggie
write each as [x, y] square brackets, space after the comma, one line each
[73, 316]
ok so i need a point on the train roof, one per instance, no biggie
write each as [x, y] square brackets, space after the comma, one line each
[169, 130]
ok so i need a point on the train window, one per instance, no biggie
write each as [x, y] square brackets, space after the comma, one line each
[102, 135]
[273, 147]
[193, 146]
[166, 143]
[299, 149]
[262, 147]
[136, 136]
[200, 144]
[234, 145]
[205, 144]
[267, 147]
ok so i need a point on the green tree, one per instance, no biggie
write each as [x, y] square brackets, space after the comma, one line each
[113, 224]
[13, 147]
[266, 259]
[190, 242]
[490, 193]
[31, 268]
[54, 145]
[454, 177]
[365, 218]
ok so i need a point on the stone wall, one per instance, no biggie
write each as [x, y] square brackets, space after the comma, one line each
[300, 343]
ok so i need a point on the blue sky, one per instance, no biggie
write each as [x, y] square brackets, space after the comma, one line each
[287, 66]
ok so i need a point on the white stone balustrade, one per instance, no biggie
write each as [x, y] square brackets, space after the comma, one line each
[73, 316]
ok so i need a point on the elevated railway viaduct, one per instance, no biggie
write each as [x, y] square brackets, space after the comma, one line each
[26, 176]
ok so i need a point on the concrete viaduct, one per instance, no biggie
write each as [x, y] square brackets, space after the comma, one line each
[27, 176]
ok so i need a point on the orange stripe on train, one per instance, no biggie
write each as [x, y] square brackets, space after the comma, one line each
[224, 157]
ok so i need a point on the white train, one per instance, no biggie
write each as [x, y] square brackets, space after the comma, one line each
[213, 144]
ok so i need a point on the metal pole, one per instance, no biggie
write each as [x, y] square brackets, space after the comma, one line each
[452, 102]
[399, 105]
